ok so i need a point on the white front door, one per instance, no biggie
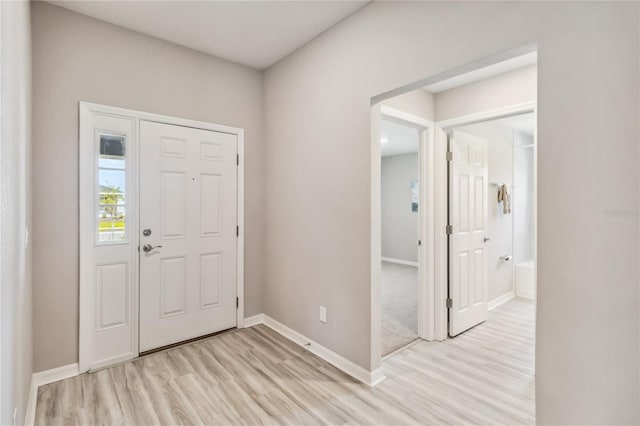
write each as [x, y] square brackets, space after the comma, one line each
[468, 192]
[188, 219]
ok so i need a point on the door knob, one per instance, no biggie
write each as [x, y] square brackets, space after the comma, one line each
[148, 247]
[485, 239]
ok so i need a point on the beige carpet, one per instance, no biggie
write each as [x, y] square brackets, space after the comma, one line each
[399, 285]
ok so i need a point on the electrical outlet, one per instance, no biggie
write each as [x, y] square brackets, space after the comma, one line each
[323, 314]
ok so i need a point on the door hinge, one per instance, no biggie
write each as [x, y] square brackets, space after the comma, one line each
[237, 231]
[449, 303]
[237, 302]
[449, 156]
[237, 159]
[449, 229]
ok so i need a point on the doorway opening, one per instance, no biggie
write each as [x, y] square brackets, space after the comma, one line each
[403, 139]
[491, 216]
[476, 249]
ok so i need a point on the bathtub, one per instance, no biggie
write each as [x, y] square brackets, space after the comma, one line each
[526, 279]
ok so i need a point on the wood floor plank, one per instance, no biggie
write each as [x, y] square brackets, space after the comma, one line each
[255, 376]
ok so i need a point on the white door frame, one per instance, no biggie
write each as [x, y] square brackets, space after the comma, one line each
[441, 129]
[427, 276]
[87, 222]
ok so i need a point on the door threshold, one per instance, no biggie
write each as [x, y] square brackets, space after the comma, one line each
[186, 342]
[402, 348]
[165, 349]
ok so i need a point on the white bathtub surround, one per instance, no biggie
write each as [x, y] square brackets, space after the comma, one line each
[525, 279]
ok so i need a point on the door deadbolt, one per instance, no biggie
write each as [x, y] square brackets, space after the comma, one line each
[146, 232]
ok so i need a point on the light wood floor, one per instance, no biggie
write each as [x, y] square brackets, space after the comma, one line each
[255, 376]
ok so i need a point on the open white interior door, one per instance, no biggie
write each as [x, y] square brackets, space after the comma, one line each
[468, 192]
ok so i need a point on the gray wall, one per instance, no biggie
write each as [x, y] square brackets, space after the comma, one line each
[417, 102]
[506, 89]
[77, 58]
[400, 226]
[318, 178]
[15, 211]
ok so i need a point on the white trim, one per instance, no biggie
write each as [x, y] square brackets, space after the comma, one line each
[158, 118]
[369, 378]
[44, 378]
[55, 374]
[110, 362]
[376, 376]
[240, 239]
[400, 262]
[427, 220]
[500, 300]
[529, 295]
[30, 411]
[441, 218]
[493, 114]
[405, 116]
[535, 203]
[87, 110]
[375, 266]
[254, 320]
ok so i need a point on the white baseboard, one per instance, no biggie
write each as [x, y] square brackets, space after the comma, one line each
[369, 378]
[30, 415]
[399, 262]
[527, 295]
[254, 320]
[44, 378]
[500, 300]
[110, 362]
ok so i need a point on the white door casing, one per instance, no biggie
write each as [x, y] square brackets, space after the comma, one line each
[468, 192]
[109, 258]
[188, 190]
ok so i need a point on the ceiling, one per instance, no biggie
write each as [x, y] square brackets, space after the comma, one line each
[253, 33]
[397, 138]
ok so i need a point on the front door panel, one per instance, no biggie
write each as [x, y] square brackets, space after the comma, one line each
[188, 207]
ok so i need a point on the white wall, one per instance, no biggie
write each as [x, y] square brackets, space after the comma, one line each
[15, 210]
[499, 224]
[77, 58]
[317, 105]
[400, 225]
